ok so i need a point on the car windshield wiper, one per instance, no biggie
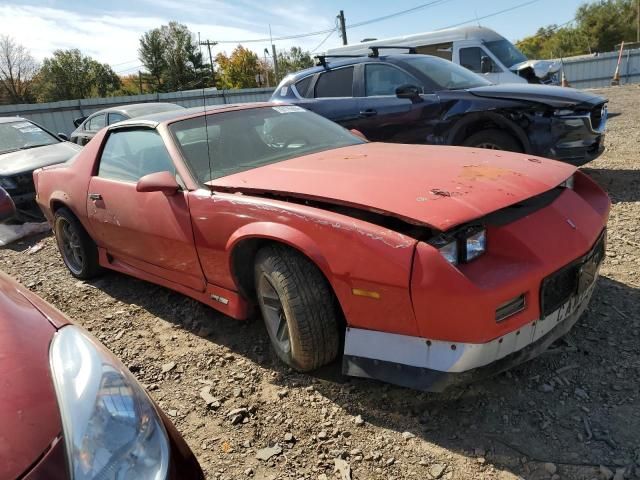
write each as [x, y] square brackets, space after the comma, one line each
[27, 147]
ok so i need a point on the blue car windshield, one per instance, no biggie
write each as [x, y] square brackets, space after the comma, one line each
[443, 74]
[506, 52]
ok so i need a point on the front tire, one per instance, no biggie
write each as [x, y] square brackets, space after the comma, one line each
[79, 252]
[299, 309]
[493, 139]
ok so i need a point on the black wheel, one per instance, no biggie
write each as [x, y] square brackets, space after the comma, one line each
[493, 140]
[299, 309]
[78, 250]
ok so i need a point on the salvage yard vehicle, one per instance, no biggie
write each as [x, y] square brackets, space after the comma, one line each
[25, 146]
[411, 98]
[478, 49]
[70, 409]
[430, 265]
[87, 127]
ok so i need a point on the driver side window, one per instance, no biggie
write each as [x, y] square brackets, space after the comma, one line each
[129, 155]
[471, 58]
[381, 79]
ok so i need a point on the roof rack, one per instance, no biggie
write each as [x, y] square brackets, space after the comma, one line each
[375, 49]
[322, 59]
[375, 52]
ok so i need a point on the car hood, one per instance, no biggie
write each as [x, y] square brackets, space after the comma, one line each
[32, 158]
[437, 186]
[556, 97]
[28, 405]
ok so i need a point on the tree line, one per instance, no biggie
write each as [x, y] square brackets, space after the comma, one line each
[171, 58]
[598, 26]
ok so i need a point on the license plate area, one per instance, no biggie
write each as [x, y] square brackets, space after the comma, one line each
[572, 280]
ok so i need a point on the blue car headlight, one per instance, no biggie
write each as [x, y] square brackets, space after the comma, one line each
[111, 428]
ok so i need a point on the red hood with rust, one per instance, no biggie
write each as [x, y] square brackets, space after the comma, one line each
[29, 416]
[438, 186]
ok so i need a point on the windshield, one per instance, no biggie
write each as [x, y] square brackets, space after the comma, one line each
[21, 135]
[506, 52]
[245, 139]
[443, 74]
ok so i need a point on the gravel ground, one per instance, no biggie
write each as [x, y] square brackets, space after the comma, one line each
[573, 413]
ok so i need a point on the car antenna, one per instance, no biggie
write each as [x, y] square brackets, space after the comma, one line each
[204, 108]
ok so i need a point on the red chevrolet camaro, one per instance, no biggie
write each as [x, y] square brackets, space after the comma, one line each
[69, 409]
[427, 265]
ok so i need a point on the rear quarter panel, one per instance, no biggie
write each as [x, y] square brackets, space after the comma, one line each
[67, 184]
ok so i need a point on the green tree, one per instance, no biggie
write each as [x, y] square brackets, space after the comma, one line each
[173, 59]
[70, 75]
[151, 54]
[17, 70]
[292, 61]
[238, 70]
[599, 26]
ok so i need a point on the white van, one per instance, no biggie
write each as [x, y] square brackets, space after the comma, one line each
[479, 49]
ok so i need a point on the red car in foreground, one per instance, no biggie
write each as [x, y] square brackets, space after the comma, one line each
[426, 264]
[69, 409]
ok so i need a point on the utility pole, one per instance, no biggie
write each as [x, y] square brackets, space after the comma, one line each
[343, 27]
[275, 62]
[638, 21]
[209, 45]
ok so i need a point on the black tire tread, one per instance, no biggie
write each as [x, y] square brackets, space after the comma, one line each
[313, 323]
[91, 267]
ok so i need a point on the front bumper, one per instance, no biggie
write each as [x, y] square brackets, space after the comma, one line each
[433, 366]
[575, 140]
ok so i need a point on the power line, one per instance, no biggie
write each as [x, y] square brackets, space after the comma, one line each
[531, 2]
[328, 30]
[323, 41]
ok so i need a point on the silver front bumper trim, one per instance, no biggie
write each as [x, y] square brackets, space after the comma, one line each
[456, 357]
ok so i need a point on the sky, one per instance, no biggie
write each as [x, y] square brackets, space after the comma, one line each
[109, 30]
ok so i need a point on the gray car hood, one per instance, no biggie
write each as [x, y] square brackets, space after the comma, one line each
[32, 158]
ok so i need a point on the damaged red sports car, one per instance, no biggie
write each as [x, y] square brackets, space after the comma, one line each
[427, 265]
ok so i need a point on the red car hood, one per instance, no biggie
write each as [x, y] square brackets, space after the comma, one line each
[438, 186]
[29, 416]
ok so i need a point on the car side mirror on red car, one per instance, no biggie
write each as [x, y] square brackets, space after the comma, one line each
[164, 182]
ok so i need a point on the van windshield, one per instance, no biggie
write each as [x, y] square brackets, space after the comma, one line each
[443, 74]
[506, 52]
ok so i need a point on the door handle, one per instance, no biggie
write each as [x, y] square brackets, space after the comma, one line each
[95, 197]
[368, 113]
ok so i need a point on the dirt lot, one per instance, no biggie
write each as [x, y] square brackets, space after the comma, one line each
[573, 413]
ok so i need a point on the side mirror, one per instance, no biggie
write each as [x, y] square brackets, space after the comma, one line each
[410, 92]
[63, 136]
[486, 65]
[359, 134]
[164, 182]
[78, 121]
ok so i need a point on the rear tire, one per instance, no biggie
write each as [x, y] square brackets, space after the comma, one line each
[78, 250]
[299, 309]
[494, 140]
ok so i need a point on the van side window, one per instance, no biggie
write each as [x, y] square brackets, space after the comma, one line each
[335, 83]
[471, 58]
